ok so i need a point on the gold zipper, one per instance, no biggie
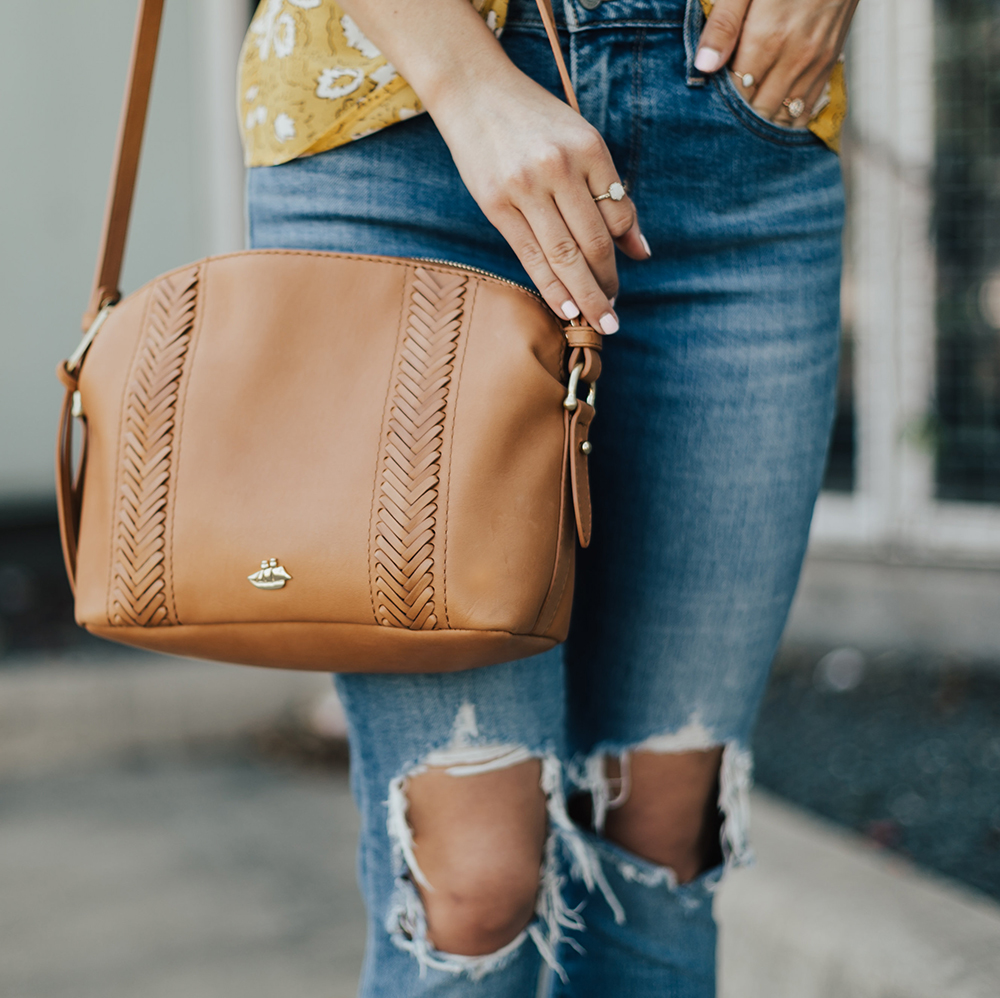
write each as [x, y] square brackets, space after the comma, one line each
[479, 271]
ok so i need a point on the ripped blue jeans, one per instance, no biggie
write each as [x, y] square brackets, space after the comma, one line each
[709, 446]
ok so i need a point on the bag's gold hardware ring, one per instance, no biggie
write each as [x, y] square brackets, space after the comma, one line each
[270, 576]
[76, 357]
[570, 402]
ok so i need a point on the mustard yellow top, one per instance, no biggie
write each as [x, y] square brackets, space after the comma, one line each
[311, 81]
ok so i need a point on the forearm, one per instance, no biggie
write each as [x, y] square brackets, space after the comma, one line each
[442, 48]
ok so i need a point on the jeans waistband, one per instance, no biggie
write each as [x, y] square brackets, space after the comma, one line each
[576, 15]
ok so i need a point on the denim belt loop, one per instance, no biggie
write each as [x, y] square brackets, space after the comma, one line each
[694, 21]
[572, 26]
[569, 12]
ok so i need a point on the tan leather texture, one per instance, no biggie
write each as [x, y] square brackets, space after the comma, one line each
[409, 480]
[578, 444]
[321, 461]
[391, 432]
[148, 457]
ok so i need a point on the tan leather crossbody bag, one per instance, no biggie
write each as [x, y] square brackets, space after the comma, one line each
[319, 460]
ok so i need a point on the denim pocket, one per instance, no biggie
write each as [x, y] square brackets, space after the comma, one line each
[737, 104]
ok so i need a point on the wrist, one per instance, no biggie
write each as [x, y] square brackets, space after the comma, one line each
[443, 48]
[467, 83]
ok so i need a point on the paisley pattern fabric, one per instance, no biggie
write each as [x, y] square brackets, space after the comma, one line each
[310, 81]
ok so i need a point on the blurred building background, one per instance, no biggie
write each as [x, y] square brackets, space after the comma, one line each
[913, 484]
[66, 64]
[914, 475]
[884, 712]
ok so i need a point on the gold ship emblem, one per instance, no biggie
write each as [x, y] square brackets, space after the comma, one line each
[270, 576]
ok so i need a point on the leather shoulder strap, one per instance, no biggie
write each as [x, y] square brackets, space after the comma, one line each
[549, 20]
[125, 165]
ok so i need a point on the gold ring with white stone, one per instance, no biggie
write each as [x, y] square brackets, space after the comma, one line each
[616, 192]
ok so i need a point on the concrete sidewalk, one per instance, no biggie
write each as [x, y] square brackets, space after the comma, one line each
[210, 874]
[826, 914]
[179, 877]
[54, 711]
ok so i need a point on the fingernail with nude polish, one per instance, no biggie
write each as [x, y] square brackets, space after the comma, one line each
[645, 244]
[609, 324]
[570, 310]
[707, 60]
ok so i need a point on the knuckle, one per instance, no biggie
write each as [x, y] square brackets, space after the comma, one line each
[727, 23]
[811, 54]
[621, 222]
[800, 69]
[564, 252]
[590, 143]
[493, 200]
[552, 160]
[595, 302]
[511, 182]
[554, 293]
[817, 48]
[809, 62]
[768, 43]
[600, 244]
[531, 256]
[774, 46]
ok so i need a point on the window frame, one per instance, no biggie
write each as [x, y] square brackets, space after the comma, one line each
[889, 149]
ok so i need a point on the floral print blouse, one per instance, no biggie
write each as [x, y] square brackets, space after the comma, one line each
[311, 81]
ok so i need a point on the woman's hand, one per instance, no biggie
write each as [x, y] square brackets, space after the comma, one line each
[530, 161]
[788, 47]
[534, 166]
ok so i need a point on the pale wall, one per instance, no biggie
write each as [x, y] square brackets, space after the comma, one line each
[62, 77]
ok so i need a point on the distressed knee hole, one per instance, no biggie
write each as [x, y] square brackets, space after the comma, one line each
[678, 800]
[479, 841]
[474, 830]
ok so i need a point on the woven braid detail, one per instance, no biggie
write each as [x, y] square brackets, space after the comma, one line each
[411, 462]
[138, 595]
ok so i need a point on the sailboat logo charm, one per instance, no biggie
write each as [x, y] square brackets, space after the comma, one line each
[270, 576]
